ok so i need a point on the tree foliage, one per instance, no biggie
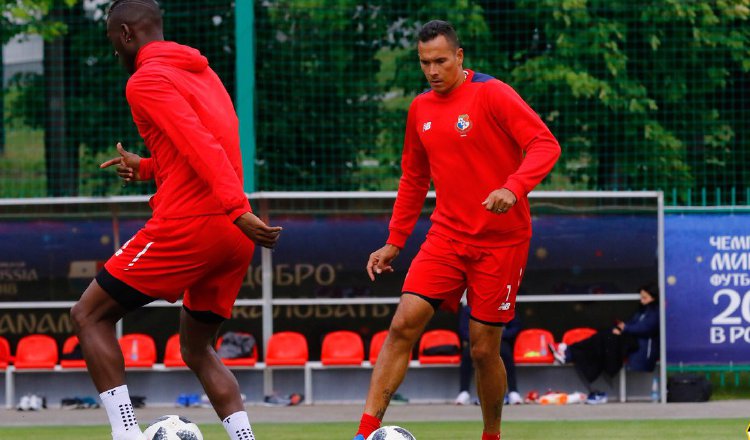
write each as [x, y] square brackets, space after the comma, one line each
[31, 17]
[641, 94]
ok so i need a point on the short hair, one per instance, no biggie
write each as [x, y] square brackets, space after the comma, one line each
[151, 6]
[435, 28]
[652, 289]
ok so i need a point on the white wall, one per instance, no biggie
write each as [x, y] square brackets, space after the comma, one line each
[23, 54]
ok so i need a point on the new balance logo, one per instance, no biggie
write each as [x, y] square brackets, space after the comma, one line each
[426, 126]
[504, 306]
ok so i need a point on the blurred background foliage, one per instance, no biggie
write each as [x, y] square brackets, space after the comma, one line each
[642, 95]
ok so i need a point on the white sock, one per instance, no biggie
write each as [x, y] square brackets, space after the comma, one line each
[120, 412]
[238, 426]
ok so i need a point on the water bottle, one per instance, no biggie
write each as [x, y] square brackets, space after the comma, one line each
[134, 351]
[655, 390]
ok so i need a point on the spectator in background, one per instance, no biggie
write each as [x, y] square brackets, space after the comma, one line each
[506, 353]
[636, 339]
[644, 326]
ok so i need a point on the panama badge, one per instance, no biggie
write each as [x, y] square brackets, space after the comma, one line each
[464, 124]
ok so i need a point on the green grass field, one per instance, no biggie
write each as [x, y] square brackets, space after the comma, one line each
[694, 429]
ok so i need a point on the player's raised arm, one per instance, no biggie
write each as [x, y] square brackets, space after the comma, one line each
[130, 166]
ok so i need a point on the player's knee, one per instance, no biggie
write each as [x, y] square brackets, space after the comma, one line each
[79, 317]
[194, 356]
[402, 331]
[483, 354]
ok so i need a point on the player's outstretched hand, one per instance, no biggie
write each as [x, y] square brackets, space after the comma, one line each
[127, 164]
[380, 260]
[500, 201]
[257, 231]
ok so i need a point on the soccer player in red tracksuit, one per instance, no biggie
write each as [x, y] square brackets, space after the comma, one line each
[198, 243]
[485, 149]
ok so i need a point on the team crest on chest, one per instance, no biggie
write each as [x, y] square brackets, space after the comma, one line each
[464, 124]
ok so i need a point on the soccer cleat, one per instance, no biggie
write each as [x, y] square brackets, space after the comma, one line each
[463, 398]
[532, 397]
[295, 399]
[576, 397]
[24, 404]
[514, 398]
[70, 403]
[36, 403]
[275, 400]
[359, 437]
[597, 398]
[399, 399]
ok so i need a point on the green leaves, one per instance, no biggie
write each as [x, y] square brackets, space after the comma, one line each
[31, 17]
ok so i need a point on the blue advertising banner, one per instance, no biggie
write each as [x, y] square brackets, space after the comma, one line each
[708, 288]
[325, 257]
[322, 256]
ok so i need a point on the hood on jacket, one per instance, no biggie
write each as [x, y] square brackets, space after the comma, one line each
[173, 54]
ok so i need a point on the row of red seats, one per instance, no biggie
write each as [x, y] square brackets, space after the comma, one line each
[284, 349]
[533, 345]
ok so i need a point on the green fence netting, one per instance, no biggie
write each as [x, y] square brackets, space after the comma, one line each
[642, 95]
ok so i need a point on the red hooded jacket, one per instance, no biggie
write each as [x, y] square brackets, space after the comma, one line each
[188, 122]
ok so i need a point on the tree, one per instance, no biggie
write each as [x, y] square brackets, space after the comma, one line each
[313, 114]
[31, 17]
[630, 89]
[90, 85]
[25, 17]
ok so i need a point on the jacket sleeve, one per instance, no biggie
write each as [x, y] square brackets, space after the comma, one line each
[146, 168]
[413, 186]
[643, 327]
[159, 101]
[522, 123]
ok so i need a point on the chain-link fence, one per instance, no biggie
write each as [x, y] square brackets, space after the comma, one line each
[640, 94]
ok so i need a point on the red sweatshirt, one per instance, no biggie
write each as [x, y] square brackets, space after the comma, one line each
[479, 137]
[188, 122]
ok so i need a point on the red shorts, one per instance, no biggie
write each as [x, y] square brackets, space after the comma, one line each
[205, 258]
[444, 268]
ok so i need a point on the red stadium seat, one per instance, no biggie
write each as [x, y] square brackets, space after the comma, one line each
[68, 347]
[342, 348]
[577, 334]
[36, 351]
[138, 349]
[446, 340]
[248, 361]
[376, 343]
[532, 347]
[5, 358]
[287, 348]
[172, 354]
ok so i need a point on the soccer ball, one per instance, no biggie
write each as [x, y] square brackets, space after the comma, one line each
[173, 427]
[391, 433]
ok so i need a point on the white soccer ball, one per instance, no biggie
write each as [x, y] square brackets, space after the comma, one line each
[172, 427]
[391, 433]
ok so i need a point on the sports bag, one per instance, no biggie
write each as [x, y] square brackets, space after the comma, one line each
[688, 387]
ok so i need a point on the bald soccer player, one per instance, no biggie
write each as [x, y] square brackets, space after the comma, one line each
[200, 239]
